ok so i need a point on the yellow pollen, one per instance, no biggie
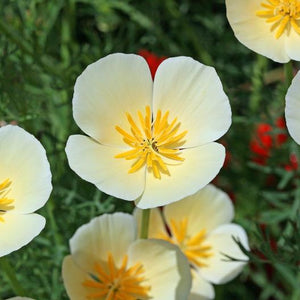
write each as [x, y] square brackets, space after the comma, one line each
[194, 247]
[152, 142]
[284, 15]
[5, 202]
[112, 283]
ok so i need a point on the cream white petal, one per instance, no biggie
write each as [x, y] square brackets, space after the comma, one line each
[107, 233]
[219, 270]
[253, 31]
[193, 93]
[96, 163]
[18, 230]
[166, 268]
[25, 164]
[200, 166]
[73, 277]
[106, 90]
[156, 223]
[207, 209]
[201, 289]
[292, 109]
[293, 45]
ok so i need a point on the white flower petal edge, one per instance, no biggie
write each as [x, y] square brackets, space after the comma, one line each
[18, 230]
[73, 277]
[166, 268]
[96, 163]
[254, 32]
[25, 163]
[220, 269]
[208, 208]
[108, 88]
[292, 109]
[201, 165]
[201, 289]
[108, 233]
[192, 92]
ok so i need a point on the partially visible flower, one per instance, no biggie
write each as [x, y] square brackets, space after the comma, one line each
[268, 27]
[264, 143]
[152, 60]
[152, 142]
[292, 109]
[201, 226]
[25, 186]
[108, 262]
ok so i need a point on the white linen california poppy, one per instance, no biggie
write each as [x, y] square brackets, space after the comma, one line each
[107, 262]
[200, 226]
[25, 186]
[148, 141]
[292, 109]
[268, 27]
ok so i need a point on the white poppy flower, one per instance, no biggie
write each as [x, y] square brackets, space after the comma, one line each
[152, 142]
[108, 262]
[268, 27]
[25, 186]
[292, 109]
[200, 226]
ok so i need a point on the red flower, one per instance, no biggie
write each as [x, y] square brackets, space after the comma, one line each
[152, 60]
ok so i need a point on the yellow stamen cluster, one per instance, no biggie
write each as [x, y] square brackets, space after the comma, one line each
[5, 202]
[284, 14]
[112, 283]
[153, 142]
[194, 247]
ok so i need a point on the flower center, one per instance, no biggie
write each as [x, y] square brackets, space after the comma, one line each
[155, 143]
[194, 247]
[114, 283]
[284, 14]
[5, 202]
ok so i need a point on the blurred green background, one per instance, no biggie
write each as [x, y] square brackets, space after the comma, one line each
[45, 45]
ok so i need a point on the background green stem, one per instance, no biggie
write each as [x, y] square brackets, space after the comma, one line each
[288, 73]
[11, 276]
[145, 223]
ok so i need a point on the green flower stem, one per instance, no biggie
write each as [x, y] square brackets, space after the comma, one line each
[288, 73]
[11, 276]
[145, 223]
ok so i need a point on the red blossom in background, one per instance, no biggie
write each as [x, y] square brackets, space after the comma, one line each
[264, 142]
[152, 60]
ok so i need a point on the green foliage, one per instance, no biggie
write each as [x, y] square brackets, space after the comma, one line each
[45, 45]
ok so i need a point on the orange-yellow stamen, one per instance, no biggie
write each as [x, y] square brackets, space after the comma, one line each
[5, 202]
[194, 247]
[152, 142]
[283, 14]
[113, 283]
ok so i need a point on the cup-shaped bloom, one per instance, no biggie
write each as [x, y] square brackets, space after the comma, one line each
[25, 186]
[108, 262]
[149, 141]
[201, 226]
[268, 27]
[292, 109]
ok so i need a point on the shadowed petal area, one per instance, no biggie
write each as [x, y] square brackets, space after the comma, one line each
[73, 277]
[201, 289]
[25, 164]
[200, 166]
[253, 31]
[166, 268]
[96, 163]
[219, 270]
[292, 109]
[18, 230]
[108, 233]
[192, 92]
[207, 209]
[106, 90]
